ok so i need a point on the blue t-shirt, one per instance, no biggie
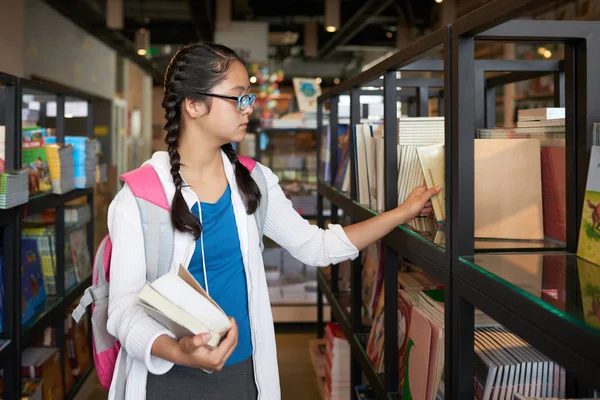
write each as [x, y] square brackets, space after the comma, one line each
[224, 268]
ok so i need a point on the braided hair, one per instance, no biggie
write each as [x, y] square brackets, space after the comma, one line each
[194, 69]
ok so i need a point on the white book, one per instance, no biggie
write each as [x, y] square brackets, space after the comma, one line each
[180, 304]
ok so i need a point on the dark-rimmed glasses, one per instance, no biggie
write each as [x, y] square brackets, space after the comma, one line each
[243, 101]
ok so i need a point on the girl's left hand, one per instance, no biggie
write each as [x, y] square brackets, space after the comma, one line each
[418, 202]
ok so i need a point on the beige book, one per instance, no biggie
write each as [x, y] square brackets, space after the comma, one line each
[180, 304]
[432, 163]
[508, 189]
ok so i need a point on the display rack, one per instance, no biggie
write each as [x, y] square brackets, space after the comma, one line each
[465, 265]
[19, 336]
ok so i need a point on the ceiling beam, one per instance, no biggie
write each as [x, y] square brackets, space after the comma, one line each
[354, 25]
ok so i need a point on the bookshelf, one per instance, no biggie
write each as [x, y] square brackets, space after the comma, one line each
[486, 275]
[53, 313]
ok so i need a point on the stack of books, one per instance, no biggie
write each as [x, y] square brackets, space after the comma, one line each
[507, 366]
[337, 364]
[14, 188]
[62, 169]
[84, 157]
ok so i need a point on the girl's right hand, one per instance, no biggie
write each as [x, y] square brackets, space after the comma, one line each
[199, 356]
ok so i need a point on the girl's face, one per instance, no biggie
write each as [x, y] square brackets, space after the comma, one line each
[224, 122]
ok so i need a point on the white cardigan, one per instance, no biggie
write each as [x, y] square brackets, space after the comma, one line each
[136, 331]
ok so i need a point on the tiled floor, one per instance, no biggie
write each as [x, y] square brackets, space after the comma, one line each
[296, 373]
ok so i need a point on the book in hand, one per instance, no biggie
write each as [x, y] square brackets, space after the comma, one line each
[179, 303]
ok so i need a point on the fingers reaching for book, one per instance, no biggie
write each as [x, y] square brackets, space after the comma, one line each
[419, 201]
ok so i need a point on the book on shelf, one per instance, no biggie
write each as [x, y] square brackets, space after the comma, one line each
[14, 188]
[372, 276]
[589, 232]
[33, 291]
[541, 114]
[507, 366]
[45, 239]
[432, 163]
[80, 254]
[61, 166]
[2, 148]
[180, 304]
[539, 124]
[508, 189]
[589, 282]
[553, 172]
[84, 159]
[337, 364]
[35, 160]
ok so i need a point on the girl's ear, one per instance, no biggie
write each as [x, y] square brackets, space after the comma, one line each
[195, 108]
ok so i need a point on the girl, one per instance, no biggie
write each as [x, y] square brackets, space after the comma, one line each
[207, 107]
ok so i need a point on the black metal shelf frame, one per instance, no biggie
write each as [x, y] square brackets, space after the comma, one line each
[544, 330]
[23, 335]
[399, 243]
[466, 91]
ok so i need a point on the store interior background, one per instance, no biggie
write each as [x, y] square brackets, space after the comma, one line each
[117, 51]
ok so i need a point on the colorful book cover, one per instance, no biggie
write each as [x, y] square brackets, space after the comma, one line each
[32, 280]
[589, 281]
[417, 359]
[589, 233]
[2, 148]
[34, 158]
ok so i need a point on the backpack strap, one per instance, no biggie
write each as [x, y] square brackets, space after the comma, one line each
[259, 177]
[156, 219]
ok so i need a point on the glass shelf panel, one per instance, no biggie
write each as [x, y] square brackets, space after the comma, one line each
[564, 284]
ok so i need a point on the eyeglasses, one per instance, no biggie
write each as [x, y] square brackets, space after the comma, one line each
[243, 101]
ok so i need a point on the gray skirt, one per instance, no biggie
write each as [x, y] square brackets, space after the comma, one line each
[233, 382]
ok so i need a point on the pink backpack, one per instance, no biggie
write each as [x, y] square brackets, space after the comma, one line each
[158, 242]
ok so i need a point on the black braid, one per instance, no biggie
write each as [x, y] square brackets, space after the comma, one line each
[248, 187]
[181, 217]
[198, 68]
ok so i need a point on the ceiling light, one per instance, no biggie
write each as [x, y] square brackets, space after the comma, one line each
[547, 54]
[336, 81]
[142, 41]
[332, 15]
[319, 80]
[438, 1]
[252, 79]
[68, 115]
[541, 50]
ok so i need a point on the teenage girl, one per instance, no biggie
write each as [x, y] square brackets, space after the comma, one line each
[212, 199]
